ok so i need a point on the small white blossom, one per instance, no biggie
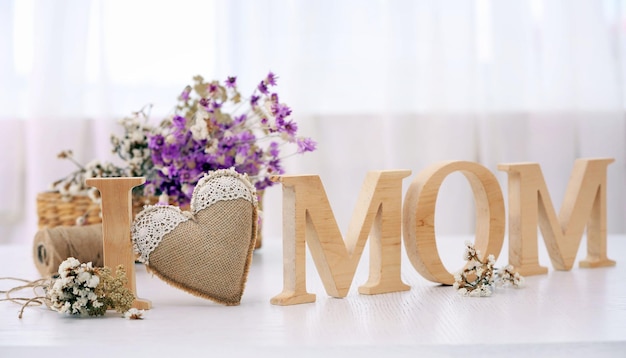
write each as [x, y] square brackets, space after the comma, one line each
[65, 307]
[484, 291]
[74, 189]
[164, 199]
[134, 313]
[186, 188]
[80, 221]
[69, 264]
[94, 195]
[199, 131]
[472, 264]
[137, 136]
[211, 147]
[170, 139]
[83, 276]
[94, 281]
[239, 159]
[479, 279]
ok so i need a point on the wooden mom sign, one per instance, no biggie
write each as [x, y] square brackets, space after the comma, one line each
[380, 216]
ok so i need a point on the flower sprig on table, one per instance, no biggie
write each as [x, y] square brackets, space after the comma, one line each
[212, 127]
[79, 289]
[84, 290]
[478, 278]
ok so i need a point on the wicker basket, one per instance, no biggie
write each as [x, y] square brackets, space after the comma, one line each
[53, 210]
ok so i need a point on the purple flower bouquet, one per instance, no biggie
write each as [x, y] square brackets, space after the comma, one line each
[214, 127]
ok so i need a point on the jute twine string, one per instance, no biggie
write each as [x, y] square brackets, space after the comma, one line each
[36, 285]
[53, 246]
[50, 248]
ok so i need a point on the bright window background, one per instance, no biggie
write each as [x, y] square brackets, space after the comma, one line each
[379, 84]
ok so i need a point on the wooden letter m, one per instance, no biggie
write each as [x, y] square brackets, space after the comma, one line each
[308, 218]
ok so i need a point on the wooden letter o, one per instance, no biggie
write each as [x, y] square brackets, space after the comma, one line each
[418, 217]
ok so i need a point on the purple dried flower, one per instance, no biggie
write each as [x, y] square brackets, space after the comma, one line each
[254, 101]
[305, 145]
[290, 128]
[179, 122]
[263, 183]
[273, 150]
[238, 120]
[205, 103]
[280, 110]
[263, 87]
[212, 88]
[185, 94]
[271, 79]
[231, 82]
[274, 167]
[155, 142]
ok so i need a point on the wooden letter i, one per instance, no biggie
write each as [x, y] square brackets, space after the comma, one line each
[115, 194]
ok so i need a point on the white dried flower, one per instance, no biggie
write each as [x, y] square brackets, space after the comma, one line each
[134, 313]
[80, 221]
[478, 278]
[73, 291]
[67, 265]
[170, 139]
[94, 195]
[83, 276]
[137, 136]
[211, 147]
[164, 199]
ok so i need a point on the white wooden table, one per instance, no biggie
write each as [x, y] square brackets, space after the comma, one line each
[581, 312]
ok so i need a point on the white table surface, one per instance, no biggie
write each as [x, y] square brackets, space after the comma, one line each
[581, 312]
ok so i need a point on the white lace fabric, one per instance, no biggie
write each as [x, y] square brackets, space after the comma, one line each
[221, 185]
[156, 221]
[151, 225]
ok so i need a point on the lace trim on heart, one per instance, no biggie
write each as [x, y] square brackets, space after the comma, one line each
[224, 184]
[147, 234]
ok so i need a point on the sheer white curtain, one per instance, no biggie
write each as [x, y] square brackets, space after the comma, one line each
[379, 85]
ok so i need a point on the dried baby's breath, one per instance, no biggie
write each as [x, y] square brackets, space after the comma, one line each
[83, 290]
[478, 278]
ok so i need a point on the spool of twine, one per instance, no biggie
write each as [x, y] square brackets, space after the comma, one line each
[53, 246]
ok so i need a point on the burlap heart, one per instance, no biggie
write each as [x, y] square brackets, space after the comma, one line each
[206, 251]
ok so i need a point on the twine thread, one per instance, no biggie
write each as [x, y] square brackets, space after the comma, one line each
[53, 246]
[37, 300]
